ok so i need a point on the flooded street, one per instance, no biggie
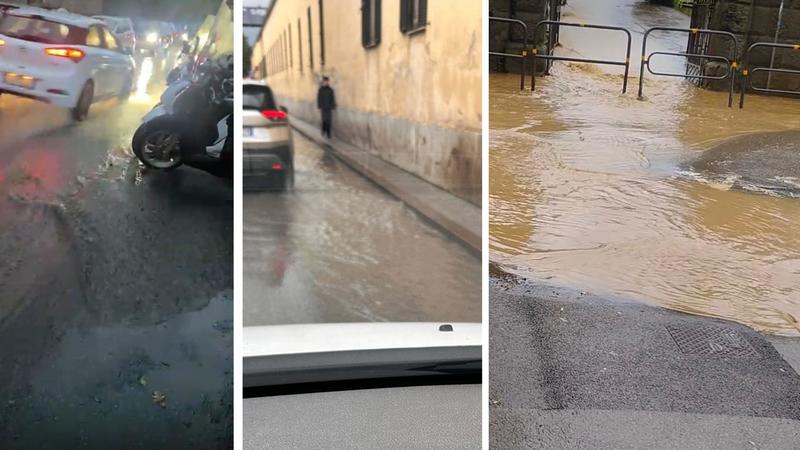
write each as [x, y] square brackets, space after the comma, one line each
[116, 287]
[340, 249]
[651, 199]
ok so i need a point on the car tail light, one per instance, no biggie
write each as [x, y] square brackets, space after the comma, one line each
[275, 116]
[277, 167]
[75, 54]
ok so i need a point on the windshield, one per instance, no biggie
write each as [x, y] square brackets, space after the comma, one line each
[37, 29]
[257, 97]
[373, 211]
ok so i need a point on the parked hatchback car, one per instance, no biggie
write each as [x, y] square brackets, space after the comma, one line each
[62, 58]
[267, 141]
[122, 27]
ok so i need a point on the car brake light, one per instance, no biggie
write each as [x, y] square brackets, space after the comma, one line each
[74, 54]
[274, 116]
[277, 167]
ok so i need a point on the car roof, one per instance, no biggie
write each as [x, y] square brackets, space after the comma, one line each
[57, 15]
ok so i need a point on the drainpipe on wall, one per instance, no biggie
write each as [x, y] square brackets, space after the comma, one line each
[777, 34]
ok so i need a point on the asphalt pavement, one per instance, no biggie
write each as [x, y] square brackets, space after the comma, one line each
[115, 288]
[574, 370]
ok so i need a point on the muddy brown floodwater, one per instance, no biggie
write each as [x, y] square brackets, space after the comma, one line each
[596, 189]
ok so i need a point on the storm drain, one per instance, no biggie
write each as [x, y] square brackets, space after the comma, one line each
[706, 340]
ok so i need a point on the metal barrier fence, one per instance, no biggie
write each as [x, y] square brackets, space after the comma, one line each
[731, 66]
[730, 62]
[550, 57]
[524, 55]
[748, 72]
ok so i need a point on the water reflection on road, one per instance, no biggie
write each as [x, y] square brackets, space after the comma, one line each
[115, 283]
[339, 249]
[591, 188]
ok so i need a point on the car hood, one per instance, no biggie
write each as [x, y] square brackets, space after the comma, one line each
[291, 354]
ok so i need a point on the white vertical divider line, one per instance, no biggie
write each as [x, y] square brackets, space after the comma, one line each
[485, 219]
[238, 36]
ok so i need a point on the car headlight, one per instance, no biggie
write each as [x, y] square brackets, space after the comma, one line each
[152, 38]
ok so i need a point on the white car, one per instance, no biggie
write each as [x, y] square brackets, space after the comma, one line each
[62, 58]
[122, 27]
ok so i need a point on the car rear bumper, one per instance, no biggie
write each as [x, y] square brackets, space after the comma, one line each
[267, 160]
[62, 91]
[63, 100]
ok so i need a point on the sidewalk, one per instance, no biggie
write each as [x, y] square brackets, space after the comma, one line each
[458, 217]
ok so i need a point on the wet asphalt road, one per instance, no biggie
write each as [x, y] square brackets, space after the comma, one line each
[115, 288]
[340, 249]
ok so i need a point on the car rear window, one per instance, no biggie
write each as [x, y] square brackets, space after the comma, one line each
[144, 26]
[38, 29]
[258, 97]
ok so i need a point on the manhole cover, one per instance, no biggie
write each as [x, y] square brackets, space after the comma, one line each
[705, 340]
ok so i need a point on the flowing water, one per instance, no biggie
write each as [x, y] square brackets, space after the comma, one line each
[339, 249]
[596, 189]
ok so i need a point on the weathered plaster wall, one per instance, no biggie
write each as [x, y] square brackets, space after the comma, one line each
[414, 100]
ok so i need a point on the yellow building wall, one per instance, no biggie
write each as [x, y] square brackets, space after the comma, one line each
[414, 100]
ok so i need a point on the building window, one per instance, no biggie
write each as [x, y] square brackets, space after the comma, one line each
[310, 42]
[413, 15]
[285, 51]
[321, 36]
[300, 46]
[370, 23]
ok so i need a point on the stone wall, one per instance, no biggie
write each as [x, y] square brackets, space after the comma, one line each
[506, 38]
[755, 21]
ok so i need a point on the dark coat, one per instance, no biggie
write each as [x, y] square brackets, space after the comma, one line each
[326, 100]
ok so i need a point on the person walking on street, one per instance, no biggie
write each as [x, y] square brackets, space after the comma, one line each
[326, 102]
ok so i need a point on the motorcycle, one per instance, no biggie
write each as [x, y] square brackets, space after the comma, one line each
[193, 123]
[183, 66]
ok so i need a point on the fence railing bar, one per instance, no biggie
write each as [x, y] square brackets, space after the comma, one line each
[550, 57]
[747, 73]
[524, 55]
[730, 61]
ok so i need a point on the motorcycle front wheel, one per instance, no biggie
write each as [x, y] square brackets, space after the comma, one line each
[158, 145]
